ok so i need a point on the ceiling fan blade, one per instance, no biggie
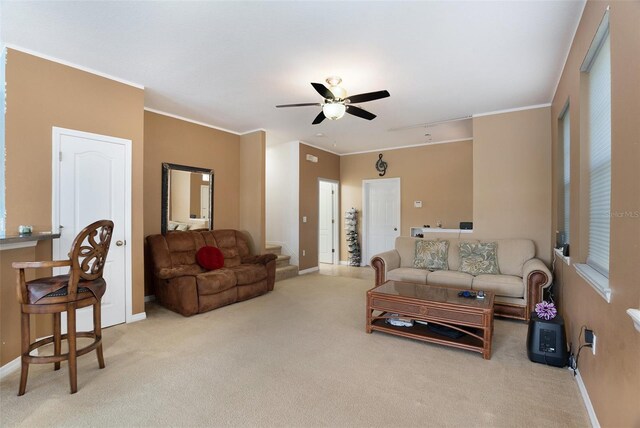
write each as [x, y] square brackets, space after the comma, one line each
[299, 105]
[369, 96]
[357, 111]
[319, 118]
[323, 90]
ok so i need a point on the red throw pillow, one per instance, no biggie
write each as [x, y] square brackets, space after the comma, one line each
[210, 258]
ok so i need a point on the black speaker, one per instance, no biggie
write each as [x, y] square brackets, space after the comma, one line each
[547, 341]
[466, 225]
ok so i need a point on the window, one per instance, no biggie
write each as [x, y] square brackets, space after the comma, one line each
[597, 68]
[564, 149]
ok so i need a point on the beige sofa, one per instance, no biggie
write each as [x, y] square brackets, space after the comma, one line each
[518, 287]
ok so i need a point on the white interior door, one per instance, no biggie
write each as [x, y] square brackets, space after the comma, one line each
[204, 201]
[90, 183]
[327, 221]
[381, 216]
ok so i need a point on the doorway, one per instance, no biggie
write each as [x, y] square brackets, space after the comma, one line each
[327, 221]
[91, 181]
[380, 216]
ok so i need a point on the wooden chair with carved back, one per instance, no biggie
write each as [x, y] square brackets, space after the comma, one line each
[83, 286]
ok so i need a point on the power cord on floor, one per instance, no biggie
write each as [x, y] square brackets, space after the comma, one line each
[583, 345]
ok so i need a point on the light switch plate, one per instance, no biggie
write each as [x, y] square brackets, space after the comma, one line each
[417, 204]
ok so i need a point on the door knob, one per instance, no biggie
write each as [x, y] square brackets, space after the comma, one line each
[119, 243]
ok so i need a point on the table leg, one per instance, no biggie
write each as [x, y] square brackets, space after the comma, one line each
[369, 314]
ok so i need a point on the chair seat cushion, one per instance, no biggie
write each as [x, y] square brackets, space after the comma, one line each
[57, 286]
[248, 274]
[215, 281]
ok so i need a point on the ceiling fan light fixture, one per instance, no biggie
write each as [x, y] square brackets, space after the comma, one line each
[334, 111]
[334, 86]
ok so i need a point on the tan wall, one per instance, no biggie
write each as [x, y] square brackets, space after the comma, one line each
[40, 95]
[328, 166]
[252, 188]
[512, 177]
[439, 175]
[612, 376]
[176, 141]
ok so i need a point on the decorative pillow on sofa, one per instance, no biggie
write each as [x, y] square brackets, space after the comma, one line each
[431, 255]
[478, 258]
[210, 258]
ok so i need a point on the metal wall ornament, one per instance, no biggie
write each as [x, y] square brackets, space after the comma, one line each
[381, 166]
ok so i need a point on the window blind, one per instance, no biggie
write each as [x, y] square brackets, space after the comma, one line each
[599, 129]
[564, 196]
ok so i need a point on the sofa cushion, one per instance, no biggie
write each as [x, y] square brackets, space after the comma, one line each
[210, 258]
[248, 274]
[502, 285]
[513, 254]
[479, 258]
[215, 281]
[431, 254]
[408, 274]
[450, 278]
[228, 244]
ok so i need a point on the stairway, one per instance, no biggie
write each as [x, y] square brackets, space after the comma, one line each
[283, 269]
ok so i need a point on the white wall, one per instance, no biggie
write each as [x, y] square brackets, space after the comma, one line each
[282, 197]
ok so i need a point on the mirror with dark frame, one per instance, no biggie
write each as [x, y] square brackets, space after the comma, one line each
[187, 198]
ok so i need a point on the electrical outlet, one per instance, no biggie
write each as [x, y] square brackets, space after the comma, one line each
[593, 345]
[304, 253]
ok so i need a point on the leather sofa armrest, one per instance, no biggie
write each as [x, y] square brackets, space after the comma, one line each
[383, 263]
[536, 277]
[183, 270]
[262, 259]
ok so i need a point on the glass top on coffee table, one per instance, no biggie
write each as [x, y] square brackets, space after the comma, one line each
[432, 293]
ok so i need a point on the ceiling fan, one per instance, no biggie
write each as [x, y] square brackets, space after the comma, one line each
[336, 103]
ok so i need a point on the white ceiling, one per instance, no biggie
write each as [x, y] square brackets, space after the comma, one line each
[228, 64]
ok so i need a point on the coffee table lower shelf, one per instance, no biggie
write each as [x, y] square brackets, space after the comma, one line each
[422, 332]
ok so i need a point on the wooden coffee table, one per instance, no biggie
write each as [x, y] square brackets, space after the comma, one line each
[436, 305]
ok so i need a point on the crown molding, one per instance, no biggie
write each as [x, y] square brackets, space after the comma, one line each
[186, 119]
[410, 146]
[319, 148]
[72, 65]
[511, 110]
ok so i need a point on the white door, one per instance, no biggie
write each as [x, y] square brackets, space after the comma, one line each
[204, 201]
[90, 183]
[327, 221]
[380, 216]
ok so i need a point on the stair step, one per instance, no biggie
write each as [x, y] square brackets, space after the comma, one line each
[282, 260]
[273, 249]
[286, 272]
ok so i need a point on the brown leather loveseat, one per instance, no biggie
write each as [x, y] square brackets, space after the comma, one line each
[184, 287]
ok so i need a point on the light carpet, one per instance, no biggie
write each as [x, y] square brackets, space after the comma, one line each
[298, 356]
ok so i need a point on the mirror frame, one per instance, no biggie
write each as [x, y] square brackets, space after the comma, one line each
[166, 169]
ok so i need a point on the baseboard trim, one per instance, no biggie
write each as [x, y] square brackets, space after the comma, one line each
[137, 317]
[150, 298]
[9, 368]
[587, 401]
[310, 270]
